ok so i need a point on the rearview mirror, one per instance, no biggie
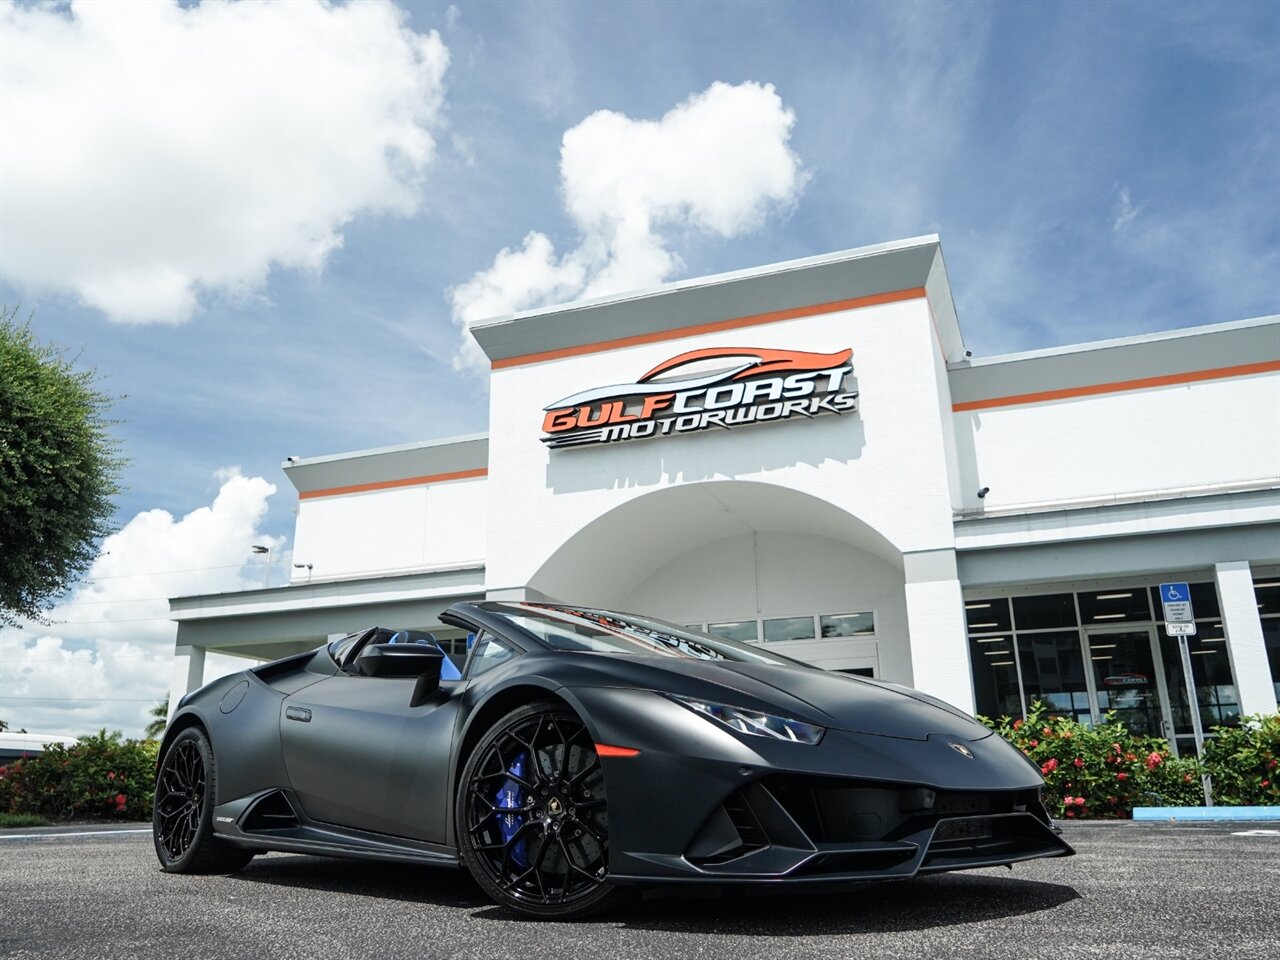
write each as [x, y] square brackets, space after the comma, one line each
[400, 660]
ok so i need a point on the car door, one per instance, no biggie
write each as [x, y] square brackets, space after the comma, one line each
[359, 754]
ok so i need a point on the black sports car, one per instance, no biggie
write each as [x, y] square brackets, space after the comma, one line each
[572, 751]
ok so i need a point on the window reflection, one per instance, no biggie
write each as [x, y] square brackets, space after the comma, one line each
[1053, 671]
[1044, 612]
[788, 628]
[995, 676]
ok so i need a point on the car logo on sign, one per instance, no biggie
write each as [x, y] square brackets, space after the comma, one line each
[961, 749]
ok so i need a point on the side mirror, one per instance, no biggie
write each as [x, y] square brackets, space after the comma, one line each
[400, 660]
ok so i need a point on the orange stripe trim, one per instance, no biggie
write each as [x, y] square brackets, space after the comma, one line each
[755, 320]
[1119, 386]
[392, 484]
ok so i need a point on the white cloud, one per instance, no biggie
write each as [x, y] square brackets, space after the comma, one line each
[154, 153]
[718, 163]
[1122, 211]
[109, 648]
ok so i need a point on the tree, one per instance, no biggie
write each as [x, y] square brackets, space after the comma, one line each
[59, 470]
[159, 720]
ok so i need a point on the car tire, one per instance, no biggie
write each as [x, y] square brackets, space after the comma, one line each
[182, 817]
[531, 815]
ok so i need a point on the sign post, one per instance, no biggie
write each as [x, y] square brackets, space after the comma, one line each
[1180, 622]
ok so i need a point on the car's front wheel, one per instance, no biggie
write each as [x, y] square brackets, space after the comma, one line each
[182, 819]
[532, 817]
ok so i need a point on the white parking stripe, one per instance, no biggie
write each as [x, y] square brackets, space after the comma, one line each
[55, 836]
[1257, 833]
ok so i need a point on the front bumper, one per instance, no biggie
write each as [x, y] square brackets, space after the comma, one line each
[699, 803]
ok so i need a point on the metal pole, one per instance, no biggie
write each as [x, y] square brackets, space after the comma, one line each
[1194, 703]
[266, 575]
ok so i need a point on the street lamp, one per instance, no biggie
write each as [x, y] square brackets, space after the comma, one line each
[306, 566]
[266, 573]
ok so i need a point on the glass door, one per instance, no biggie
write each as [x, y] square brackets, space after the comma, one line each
[1125, 679]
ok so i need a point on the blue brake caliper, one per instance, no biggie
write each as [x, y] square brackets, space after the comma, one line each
[511, 797]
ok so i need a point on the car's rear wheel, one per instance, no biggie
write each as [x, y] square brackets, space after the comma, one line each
[182, 819]
[532, 817]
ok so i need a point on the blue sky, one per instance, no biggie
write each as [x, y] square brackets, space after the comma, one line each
[1094, 170]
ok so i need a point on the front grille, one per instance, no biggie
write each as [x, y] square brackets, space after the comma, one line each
[970, 828]
[803, 826]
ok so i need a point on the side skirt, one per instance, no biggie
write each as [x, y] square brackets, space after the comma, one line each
[272, 820]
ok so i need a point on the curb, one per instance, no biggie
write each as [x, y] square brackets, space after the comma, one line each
[1206, 814]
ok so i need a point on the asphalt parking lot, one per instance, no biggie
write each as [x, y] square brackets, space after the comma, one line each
[1135, 890]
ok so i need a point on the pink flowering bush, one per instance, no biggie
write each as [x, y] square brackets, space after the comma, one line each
[103, 777]
[1100, 772]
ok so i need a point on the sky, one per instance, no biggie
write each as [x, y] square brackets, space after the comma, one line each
[267, 225]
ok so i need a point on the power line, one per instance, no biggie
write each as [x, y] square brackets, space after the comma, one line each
[165, 573]
[103, 623]
[85, 699]
[70, 661]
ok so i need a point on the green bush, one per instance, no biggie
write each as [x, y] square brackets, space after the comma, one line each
[8, 820]
[101, 778]
[1099, 772]
[1242, 761]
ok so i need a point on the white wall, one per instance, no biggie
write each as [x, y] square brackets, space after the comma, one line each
[1214, 431]
[780, 575]
[885, 464]
[383, 532]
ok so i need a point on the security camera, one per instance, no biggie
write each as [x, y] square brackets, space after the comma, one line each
[982, 494]
[968, 353]
[292, 459]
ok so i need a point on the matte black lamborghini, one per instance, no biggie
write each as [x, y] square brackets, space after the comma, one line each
[572, 751]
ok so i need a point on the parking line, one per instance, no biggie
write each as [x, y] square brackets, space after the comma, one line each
[85, 833]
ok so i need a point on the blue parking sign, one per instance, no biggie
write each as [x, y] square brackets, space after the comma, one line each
[1179, 618]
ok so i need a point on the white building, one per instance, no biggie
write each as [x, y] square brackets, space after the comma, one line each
[988, 530]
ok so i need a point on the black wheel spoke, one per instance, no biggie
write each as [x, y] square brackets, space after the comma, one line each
[179, 801]
[558, 857]
[592, 765]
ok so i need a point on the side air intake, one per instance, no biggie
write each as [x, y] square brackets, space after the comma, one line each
[270, 812]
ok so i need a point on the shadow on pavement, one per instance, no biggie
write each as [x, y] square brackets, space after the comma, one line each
[406, 882]
[871, 908]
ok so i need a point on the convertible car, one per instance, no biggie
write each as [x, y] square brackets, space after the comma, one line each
[573, 751]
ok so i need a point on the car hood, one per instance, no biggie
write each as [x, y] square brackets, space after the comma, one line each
[835, 700]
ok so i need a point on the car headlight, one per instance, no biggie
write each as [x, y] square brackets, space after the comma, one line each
[753, 723]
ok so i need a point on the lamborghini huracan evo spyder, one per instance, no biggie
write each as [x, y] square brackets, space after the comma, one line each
[572, 751]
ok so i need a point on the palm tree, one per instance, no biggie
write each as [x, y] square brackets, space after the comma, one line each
[159, 720]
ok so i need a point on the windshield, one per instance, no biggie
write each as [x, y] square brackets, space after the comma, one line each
[603, 631]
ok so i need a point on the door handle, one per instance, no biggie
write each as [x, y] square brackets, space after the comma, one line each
[301, 714]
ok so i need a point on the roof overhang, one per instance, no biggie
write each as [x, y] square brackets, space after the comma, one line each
[864, 274]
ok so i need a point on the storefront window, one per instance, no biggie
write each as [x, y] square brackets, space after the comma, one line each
[1124, 678]
[1053, 671]
[1103, 607]
[988, 616]
[995, 676]
[1268, 594]
[1045, 612]
[788, 628]
[1216, 694]
[743, 630]
[848, 625]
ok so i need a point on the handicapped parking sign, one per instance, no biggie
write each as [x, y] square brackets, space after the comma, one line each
[1179, 618]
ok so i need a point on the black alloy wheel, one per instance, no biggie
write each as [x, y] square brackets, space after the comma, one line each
[532, 821]
[182, 818]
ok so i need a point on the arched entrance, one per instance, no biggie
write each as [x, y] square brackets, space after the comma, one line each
[746, 559]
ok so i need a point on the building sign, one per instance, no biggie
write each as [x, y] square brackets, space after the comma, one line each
[723, 387]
